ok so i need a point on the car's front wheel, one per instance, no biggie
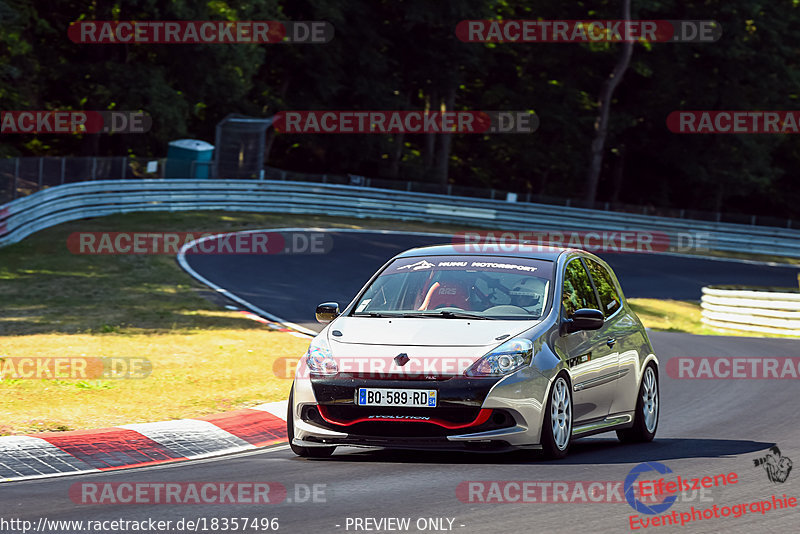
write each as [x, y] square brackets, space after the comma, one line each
[305, 452]
[645, 422]
[557, 427]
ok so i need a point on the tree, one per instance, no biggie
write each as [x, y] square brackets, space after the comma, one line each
[604, 104]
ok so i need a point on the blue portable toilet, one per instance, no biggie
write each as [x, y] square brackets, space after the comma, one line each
[182, 155]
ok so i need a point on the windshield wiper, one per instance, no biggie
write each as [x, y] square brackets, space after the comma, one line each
[463, 315]
[448, 315]
[377, 314]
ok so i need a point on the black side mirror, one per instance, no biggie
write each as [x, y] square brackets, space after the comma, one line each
[583, 319]
[327, 312]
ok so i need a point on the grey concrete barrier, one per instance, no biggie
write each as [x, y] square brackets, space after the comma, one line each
[770, 312]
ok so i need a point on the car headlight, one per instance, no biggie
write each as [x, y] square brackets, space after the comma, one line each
[319, 357]
[507, 358]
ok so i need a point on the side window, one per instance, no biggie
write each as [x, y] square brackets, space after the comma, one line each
[609, 299]
[577, 292]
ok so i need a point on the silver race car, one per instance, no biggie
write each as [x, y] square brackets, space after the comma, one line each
[446, 348]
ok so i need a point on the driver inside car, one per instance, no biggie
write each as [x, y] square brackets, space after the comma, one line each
[527, 294]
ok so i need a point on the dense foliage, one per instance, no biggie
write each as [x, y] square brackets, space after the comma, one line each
[403, 54]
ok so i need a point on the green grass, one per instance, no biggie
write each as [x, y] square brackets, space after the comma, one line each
[194, 372]
[670, 315]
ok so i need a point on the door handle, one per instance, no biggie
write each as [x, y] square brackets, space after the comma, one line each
[610, 342]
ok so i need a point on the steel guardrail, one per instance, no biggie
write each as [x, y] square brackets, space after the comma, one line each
[63, 203]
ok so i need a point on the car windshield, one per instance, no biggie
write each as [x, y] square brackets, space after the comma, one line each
[459, 287]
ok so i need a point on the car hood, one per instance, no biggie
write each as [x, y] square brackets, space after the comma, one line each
[425, 332]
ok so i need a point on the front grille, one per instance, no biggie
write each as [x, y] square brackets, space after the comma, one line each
[407, 377]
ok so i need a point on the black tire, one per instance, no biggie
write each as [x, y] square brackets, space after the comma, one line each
[550, 448]
[305, 452]
[639, 432]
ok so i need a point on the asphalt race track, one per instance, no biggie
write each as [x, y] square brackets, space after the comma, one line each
[291, 285]
[707, 427]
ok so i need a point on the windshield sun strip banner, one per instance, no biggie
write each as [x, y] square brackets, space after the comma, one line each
[498, 264]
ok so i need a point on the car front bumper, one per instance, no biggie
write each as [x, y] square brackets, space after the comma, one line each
[478, 414]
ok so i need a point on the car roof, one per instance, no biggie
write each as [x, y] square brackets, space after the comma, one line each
[488, 249]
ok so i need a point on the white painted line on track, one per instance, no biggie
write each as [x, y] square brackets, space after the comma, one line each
[308, 332]
[219, 289]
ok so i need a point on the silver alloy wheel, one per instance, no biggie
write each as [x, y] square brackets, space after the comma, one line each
[561, 414]
[650, 399]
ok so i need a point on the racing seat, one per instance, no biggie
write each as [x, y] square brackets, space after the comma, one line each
[446, 292]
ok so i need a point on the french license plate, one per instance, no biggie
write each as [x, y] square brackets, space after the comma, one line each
[414, 398]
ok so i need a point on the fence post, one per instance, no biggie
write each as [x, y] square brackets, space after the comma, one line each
[41, 169]
[16, 176]
[94, 166]
[124, 166]
[449, 189]
[63, 166]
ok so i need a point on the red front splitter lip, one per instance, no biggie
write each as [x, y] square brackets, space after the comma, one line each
[482, 417]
